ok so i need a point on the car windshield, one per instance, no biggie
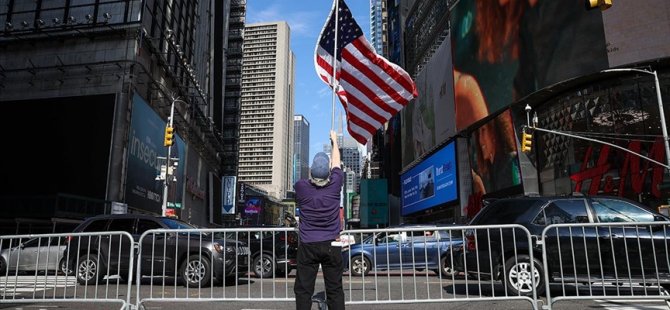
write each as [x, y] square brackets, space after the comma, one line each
[174, 224]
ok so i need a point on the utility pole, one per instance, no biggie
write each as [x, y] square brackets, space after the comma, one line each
[168, 142]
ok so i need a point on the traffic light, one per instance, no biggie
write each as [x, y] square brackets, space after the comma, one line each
[526, 142]
[602, 4]
[169, 136]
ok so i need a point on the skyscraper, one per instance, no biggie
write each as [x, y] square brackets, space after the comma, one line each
[266, 122]
[301, 156]
[378, 24]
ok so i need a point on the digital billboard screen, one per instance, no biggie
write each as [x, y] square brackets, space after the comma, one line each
[430, 183]
[428, 120]
[252, 213]
[506, 50]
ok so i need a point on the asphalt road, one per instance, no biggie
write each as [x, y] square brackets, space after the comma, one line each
[388, 291]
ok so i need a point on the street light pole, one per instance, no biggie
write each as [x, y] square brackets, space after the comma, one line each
[167, 163]
[664, 127]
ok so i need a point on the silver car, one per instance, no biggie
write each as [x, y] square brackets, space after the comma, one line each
[43, 254]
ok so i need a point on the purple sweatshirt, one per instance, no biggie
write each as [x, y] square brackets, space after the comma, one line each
[319, 208]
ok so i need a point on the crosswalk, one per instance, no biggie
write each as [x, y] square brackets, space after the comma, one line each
[18, 286]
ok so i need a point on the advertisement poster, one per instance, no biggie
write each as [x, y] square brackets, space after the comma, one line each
[430, 183]
[429, 120]
[252, 213]
[143, 190]
[228, 192]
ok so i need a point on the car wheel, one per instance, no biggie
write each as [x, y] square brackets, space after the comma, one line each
[65, 268]
[519, 277]
[360, 265]
[3, 267]
[195, 271]
[264, 266]
[446, 268]
[89, 270]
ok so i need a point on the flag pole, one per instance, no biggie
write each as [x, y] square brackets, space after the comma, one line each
[332, 80]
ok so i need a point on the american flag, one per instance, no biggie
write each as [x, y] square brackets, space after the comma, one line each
[371, 88]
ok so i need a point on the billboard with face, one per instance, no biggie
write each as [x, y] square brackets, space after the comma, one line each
[505, 50]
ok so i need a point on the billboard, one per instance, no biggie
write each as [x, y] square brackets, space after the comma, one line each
[252, 213]
[505, 50]
[432, 182]
[637, 31]
[143, 191]
[428, 120]
[493, 155]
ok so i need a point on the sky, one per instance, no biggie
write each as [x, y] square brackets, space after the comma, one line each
[313, 98]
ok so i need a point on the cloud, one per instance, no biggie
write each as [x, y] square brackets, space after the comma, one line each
[324, 92]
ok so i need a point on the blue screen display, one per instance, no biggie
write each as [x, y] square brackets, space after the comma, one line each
[431, 182]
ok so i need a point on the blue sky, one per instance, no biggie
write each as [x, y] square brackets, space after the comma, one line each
[306, 19]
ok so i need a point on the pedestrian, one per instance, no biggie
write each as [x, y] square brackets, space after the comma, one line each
[319, 200]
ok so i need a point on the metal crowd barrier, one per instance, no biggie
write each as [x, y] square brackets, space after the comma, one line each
[400, 265]
[606, 261]
[409, 265]
[216, 264]
[70, 267]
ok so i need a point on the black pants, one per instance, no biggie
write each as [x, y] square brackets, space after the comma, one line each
[310, 255]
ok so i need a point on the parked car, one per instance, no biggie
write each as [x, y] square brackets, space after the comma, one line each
[586, 254]
[404, 249]
[273, 253]
[33, 255]
[191, 257]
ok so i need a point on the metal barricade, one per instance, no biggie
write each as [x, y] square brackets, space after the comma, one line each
[216, 264]
[69, 267]
[606, 261]
[409, 265]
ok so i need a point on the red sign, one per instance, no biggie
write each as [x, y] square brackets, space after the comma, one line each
[634, 169]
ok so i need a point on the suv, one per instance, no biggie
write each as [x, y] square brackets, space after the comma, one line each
[581, 254]
[190, 256]
[279, 251]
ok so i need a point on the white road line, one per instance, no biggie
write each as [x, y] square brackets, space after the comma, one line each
[633, 304]
[28, 284]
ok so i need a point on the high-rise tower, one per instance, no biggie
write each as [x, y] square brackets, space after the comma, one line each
[266, 124]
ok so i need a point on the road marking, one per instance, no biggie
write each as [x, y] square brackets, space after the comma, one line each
[620, 304]
[18, 285]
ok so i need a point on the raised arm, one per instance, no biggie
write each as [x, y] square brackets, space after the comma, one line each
[335, 152]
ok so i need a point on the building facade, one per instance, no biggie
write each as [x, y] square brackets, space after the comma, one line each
[267, 104]
[104, 77]
[587, 73]
[301, 156]
[231, 92]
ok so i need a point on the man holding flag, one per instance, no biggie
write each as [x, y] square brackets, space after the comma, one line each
[371, 90]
